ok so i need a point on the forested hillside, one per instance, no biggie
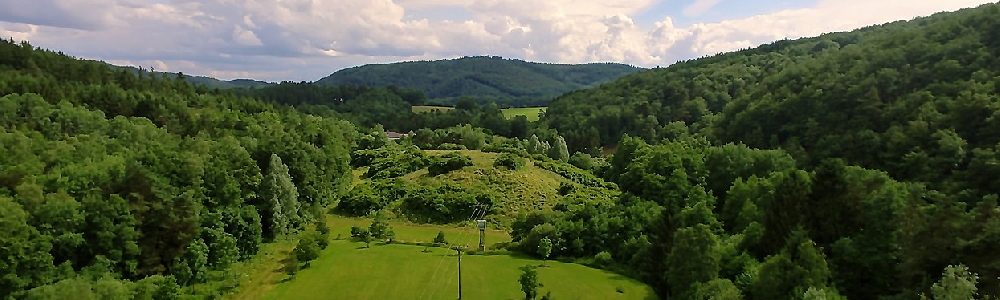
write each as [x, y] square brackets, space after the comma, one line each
[883, 172]
[917, 99]
[390, 107]
[205, 81]
[117, 184]
[505, 81]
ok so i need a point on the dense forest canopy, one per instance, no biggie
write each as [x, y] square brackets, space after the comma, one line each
[504, 81]
[916, 99]
[390, 107]
[117, 183]
[884, 172]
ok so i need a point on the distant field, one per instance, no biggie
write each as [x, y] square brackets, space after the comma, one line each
[509, 113]
[530, 112]
[347, 270]
[424, 108]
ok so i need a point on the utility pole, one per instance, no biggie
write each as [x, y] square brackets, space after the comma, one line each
[482, 234]
[459, 249]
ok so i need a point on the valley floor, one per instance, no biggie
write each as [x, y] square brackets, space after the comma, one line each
[349, 270]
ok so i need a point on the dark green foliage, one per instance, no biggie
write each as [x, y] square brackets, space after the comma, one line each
[155, 287]
[452, 138]
[365, 199]
[603, 259]
[391, 162]
[509, 81]
[357, 231]
[281, 200]
[508, 161]
[718, 289]
[789, 274]
[574, 174]
[547, 296]
[447, 163]
[956, 283]
[323, 240]
[545, 248]
[376, 138]
[582, 160]
[694, 259]
[366, 237]
[292, 265]
[441, 204]
[439, 239]
[308, 248]
[142, 177]
[529, 282]
[380, 227]
[24, 254]
[559, 151]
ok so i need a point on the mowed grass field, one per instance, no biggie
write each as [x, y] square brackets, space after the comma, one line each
[348, 270]
[425, 108]
[530, 112]
[509, 113]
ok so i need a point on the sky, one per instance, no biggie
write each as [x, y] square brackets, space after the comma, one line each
[305, 40]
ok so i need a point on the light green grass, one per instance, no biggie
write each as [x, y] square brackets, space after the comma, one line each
[464, 234]
[425, 108]
[347, 270]
[509, 113]
[530, 112]
[529, 188]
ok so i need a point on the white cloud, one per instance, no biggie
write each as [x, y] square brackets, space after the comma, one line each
[307, 39]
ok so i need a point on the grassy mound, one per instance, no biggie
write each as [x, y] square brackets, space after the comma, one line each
[528, 188]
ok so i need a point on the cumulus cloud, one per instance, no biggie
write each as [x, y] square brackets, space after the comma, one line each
[307, 39]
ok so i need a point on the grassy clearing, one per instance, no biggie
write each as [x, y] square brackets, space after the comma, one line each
[425, 108]
[347, 270]
[530, 112]
[509, 113]
[262, 272]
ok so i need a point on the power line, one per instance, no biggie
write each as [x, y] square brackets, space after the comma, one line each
[457, 248]
[479, 212]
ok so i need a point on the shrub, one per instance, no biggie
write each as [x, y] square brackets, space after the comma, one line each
[357, 231]
[308, 248]
[447, 163]
[575, 174]
[603, 259]
[450, 146]
[396, 161]
[508, 161]
[367, 198]
[439, 239]
[440, 204]
[582, 161]
[380, 227]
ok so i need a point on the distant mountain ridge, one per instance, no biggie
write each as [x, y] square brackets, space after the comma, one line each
[483, 77]
[205, 81]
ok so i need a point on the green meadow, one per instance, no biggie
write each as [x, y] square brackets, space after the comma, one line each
[426, 108]
[349, 270]
[530, 112]
[509, 113]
